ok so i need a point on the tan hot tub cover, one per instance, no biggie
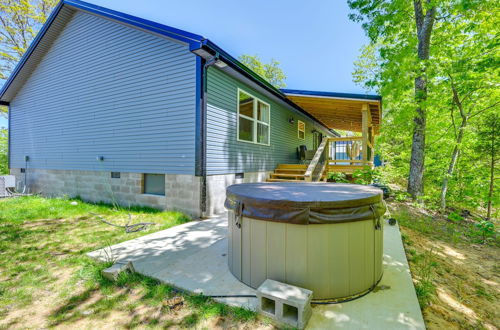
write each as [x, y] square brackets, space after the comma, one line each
[305, 203]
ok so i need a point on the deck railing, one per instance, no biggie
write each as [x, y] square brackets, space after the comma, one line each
[339, 154]
[347, 154]
[318, 164]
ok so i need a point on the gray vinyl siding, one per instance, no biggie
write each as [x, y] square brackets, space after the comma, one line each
[227, 155]
[106, 89]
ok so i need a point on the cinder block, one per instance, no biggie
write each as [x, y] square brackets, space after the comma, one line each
[114, 271]
[285, 303]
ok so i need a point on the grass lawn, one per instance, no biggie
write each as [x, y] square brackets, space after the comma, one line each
[47, 281]
[456, 271]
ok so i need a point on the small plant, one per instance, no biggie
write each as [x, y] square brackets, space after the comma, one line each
[425, 288]
[337, 177]
[484, 229]
[401, 196]
[364, 176]
[455, 217]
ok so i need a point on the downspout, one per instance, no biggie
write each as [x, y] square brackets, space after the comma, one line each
[203, 127]
[9, 152]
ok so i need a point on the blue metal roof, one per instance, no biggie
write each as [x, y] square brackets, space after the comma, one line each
[195, 42]
[332, 94]
[166, 30]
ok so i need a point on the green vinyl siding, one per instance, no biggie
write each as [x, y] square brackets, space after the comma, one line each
[225, 154]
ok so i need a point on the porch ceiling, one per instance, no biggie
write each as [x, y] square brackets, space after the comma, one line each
[338, 112]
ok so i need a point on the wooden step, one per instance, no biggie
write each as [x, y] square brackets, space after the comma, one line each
[290, 170]
[287, 175]
[284, 180]
[292, 166]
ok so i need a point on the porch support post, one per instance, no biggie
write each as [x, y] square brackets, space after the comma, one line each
[372, 158]
[365, 112]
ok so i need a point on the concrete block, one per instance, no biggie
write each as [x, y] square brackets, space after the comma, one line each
[285, 303]
[114, 271]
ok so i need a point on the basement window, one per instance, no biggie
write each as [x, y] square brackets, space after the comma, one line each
[301, 129]
[253, 119]
[154, 184]
[115, 175]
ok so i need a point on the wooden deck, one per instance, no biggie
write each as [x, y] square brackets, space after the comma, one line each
[340, 154]
[344, 154]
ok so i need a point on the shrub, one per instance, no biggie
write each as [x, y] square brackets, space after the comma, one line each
[365, 176]
[4, 169]
[484, 229]
[455, 217]
[337, 177]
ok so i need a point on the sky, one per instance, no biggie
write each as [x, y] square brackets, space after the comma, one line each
[313, 40]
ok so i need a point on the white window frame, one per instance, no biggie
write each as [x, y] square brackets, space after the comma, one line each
[298, 129]
[255, 120]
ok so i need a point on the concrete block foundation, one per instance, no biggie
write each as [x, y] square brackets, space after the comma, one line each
[182, 191]
[217, 184]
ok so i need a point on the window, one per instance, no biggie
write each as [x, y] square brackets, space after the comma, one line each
[301, 127]
[115, 175]
[253, 119]
[154, 184]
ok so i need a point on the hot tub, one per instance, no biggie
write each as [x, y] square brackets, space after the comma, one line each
[324, 237]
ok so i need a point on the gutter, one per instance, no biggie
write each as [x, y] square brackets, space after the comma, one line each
[207, 49]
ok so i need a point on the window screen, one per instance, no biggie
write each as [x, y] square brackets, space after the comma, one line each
[154, 184]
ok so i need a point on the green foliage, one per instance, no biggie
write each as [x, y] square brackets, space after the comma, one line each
[453, 216]
[4, 168]
[401, 196]
[463, 94]
[337, 177]
[19, 23]
[269, 71]
[485, 230]
[364, 176]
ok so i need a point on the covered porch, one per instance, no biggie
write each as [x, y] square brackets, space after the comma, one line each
[356, 116]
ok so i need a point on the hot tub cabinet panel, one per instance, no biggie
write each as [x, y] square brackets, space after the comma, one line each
[323, 237]
[349, 263]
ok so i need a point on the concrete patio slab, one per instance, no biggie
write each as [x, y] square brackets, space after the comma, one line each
[193, 257]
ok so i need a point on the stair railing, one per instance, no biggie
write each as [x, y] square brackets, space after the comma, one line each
[317, 165]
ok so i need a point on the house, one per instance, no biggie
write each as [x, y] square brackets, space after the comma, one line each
[112, 107]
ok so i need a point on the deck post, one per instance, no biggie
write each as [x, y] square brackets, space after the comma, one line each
[372, 158]
[365, 112]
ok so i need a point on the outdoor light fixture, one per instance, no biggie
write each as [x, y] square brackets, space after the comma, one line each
[291, 120]
[220, 64]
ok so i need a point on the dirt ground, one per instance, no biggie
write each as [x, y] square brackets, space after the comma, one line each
[465, 276]
[112, 308]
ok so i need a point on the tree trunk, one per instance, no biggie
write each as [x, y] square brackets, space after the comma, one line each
[456, 150]
[415, 180]
[492, 174]
[453, 162]
[424, 24]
